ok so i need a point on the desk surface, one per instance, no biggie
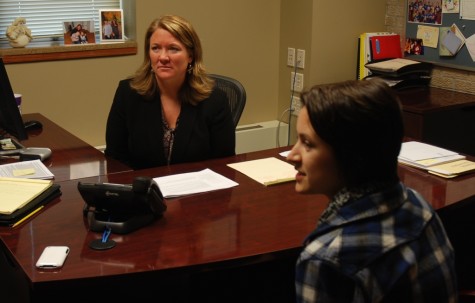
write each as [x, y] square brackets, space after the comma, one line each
[241, 225]
[71, 158]
[432, 99]
[246, 223]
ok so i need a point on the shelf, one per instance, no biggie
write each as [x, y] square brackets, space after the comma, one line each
[54, 50]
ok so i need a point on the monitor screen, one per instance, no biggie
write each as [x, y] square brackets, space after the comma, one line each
[10, 117]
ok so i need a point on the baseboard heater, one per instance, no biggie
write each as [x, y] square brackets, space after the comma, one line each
[260, 136]
[254, 137]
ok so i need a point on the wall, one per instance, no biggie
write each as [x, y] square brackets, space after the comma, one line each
[240, 39]
[443, 77]
[328, 31]
[244, 39]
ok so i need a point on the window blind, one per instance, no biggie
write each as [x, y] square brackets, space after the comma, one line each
[46, 18]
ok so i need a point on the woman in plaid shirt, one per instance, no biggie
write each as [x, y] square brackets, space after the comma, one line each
[377, 240]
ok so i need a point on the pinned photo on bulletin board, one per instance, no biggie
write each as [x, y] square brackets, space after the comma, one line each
[429, 35]
[451, 6]
[414, 46]
[424, 11]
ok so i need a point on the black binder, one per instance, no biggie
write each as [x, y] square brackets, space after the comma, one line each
[44, 198]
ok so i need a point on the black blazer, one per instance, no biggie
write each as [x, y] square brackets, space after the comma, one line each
[134, 132]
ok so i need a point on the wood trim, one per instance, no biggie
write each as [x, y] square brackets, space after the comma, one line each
[61, 52]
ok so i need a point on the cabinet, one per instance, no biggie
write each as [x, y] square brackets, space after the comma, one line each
[440, 117]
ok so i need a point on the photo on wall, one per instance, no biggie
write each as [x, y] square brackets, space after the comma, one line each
[111, 25]
[414, 46]
[79, 32]
[424, 11]
[451, 6]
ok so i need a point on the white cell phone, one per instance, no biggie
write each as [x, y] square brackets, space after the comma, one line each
[52, 257]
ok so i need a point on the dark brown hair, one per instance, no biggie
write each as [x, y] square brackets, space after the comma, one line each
[362, 122]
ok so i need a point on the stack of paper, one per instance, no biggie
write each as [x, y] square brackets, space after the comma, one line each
[400, 67]
[192, 183]
[34, 169]
[17, 192]
[436, 160]
[453, 169]
[424, 155]
[267, 171]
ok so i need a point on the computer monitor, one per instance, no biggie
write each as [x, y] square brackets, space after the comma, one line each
[10, 117]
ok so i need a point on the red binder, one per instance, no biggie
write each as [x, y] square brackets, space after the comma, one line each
[385, 47]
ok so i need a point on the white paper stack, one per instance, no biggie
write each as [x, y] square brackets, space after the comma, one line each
[33, 169]
[435, 160]
[424, 155]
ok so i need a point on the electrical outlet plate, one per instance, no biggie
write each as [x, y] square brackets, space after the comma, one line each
[300, 58]
[295, 107]
[290, 56]
[298, 85]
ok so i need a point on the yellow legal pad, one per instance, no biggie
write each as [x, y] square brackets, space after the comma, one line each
[267, 171]
[17, 192]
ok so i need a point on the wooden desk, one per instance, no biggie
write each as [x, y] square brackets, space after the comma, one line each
[200, 236]
[440, 117]
[71, 158]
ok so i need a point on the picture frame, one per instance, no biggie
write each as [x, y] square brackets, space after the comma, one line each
[111, 23]
[79, 32]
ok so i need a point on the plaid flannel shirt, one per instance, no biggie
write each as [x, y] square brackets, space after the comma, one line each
[389, 246]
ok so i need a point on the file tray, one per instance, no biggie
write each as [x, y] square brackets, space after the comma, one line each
[400, 68]
[44, 198]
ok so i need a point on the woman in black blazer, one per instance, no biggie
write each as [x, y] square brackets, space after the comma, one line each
[170, 111]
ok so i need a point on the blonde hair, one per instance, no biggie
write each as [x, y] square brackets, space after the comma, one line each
[198, 85]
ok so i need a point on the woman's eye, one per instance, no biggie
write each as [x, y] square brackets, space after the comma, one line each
[307, 144]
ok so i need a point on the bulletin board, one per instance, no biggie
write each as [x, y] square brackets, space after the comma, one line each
[425, 27]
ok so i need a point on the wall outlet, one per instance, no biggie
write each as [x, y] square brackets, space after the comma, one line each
[290, 56]
[300, 58]
[296, 82]
[295, 107]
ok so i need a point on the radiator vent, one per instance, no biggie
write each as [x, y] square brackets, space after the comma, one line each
[260, 136]
[254, 137]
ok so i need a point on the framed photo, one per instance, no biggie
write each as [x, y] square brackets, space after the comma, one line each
[111, 25]
[79, 32]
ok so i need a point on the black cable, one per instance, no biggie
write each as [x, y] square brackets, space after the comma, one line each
[277, 134]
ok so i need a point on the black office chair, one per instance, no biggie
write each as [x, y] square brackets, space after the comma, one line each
[235, 92]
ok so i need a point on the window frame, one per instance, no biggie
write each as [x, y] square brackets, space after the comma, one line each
[48, 49]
